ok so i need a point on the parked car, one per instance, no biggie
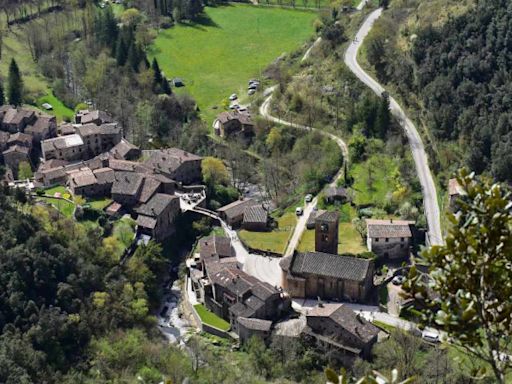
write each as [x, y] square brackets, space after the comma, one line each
[430, 336]
[398, 280]
[252, 86]
[308, 198]
[254, 81]
[299, 211]
[251, 92]
[233, 97]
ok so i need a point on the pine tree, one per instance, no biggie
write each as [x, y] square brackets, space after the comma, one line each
[2, 96]
[133, 57]
[15, 82]
[165, 86]
[383, 119]
[156, 71]
[121, 52]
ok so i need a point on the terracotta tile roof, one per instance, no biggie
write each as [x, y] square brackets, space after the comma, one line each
[389, 228]
[93, 129]
[87, 116]
[324, 264]
[335, 192]
[243, 117]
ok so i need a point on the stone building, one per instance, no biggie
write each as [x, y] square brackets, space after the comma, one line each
[90, 140]
[156, 217]
[389, 239]
[335, 327]
[96, 117]
[233, 213]
[248, 328]
[176, 164]
[82, 182]
[333, 277]
[233, 123]
[326, 232]
[14, 156]
[255, 218]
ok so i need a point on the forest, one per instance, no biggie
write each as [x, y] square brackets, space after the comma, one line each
[462, 74]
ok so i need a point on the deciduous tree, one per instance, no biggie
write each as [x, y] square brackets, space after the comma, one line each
[470, 286]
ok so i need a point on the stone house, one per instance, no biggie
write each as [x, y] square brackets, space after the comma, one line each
[233, 123]
[16, 119]
[93, 117]
[335, 194]
[45, 127]
[82, 182]
[255, 218]
[14, 156]
[233, 213]
[333, 277]
[389, 239]
[248, 327]
[176, 164]
[125, 150]
[104, 179]
[156, 217]
[126, 188]
[335, 327]
[89, 141]
[21, 139]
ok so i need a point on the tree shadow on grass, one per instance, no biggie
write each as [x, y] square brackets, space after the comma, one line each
[201, 22]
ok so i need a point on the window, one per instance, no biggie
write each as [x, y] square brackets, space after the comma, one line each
[376, 239]
[387, 240]
[402, 239]
[401, 245]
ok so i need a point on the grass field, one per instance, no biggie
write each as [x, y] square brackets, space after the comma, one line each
[231, 44]
[59, 109]
[372, 179]
[14, 45]
[57, 189]
[99, 204]
[63, 206]
[349, 240]
[211, 318]
[274, 241]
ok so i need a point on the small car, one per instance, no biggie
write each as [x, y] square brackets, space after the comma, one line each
[308, 198]
[233, 97]
[398, 280]
[299, 211]
[251, 92]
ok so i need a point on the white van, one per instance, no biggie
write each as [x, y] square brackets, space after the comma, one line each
[430, 336]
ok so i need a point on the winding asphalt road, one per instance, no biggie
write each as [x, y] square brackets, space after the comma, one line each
[430, 204]
[308, 209]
